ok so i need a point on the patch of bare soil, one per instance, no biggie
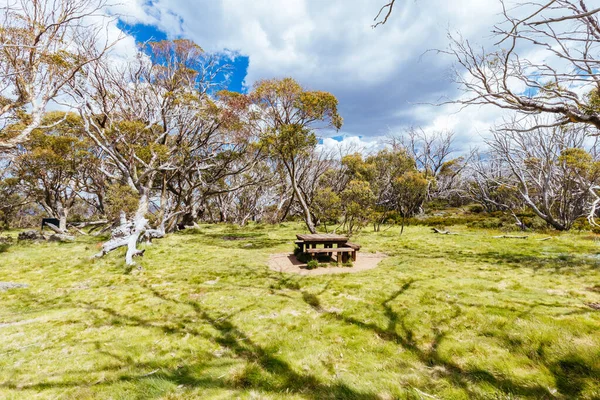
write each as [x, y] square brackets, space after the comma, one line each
[287, 262]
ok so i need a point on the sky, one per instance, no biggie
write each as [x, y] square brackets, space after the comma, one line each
[385, 78]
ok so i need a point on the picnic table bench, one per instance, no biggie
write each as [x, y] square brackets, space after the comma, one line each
[308, 245]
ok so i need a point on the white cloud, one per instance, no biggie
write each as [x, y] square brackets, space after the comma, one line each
[379, 75]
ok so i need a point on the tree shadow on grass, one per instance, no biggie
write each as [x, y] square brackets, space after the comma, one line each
[238, 240]
[263, 370]
[429, 355]
[558, 263]
[285, 378]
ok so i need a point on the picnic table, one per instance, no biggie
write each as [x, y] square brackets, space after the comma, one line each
[343, 248]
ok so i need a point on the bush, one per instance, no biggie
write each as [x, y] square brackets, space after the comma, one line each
[312, 264]
[476, 208]
[5, 243]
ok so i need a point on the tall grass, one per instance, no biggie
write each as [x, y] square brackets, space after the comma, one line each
[453, 317]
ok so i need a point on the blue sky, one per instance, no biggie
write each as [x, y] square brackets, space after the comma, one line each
[143, 33]
[384, 78]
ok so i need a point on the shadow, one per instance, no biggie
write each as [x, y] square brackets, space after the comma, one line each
[263, 370]
[556, 263]
[396, 331]
[295, 262]
[288, 380]
[236, 239]
[570, 374]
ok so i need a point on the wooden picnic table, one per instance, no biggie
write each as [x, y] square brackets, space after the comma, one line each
[308, 245]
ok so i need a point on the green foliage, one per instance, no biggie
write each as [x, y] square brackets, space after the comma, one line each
[312, 264]
[120, 198]
[289, 141]
[10, 201]
[593, 102]
[357, 201]
[411, 191]
[327, 205]
[287, 101]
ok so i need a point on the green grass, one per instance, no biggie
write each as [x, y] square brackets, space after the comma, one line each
[454, 317]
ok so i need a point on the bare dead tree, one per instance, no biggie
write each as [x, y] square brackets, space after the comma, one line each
[488, 182]
[563, 77]
[44, 44]
[430, 150]
[140, 115]
[551, 169]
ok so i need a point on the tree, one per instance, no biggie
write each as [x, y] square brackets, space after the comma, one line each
[221, 160]
[555, 171]
[44, 44]
[141, 115]
[410, 191]
[357, 202]
[52, 167]
[11, 197]
[286, 115]
[564, 35]
[489, 183]
[430, 150]
[327, 206]
[385, 168]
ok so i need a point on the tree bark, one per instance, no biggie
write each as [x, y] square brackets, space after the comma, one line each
[63, 213]
[140, 224]
[307, 215]
[129, 233]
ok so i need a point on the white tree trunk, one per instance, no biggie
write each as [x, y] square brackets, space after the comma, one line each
[129, 233]
[63, 213]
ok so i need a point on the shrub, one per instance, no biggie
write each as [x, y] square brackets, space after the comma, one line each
[312, 264]
[476, 208]
[5, 243]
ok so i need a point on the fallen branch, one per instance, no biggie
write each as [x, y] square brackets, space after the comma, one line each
[55, 228]
[510, 237]
[79, 231]
[544, 239]
[89, 223]
[441, 232]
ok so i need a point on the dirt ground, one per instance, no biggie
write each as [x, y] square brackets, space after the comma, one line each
[287, 262]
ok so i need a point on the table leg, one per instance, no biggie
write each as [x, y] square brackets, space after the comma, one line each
[328, 246]
[344, 257]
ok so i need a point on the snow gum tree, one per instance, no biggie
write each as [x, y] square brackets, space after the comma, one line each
[286, 115]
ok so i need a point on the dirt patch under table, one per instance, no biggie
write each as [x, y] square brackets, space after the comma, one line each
[287, 262]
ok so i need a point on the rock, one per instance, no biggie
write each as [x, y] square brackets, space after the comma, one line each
[58, 237]
[11, 285]
[31, 235]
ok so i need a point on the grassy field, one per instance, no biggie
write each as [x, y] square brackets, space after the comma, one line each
[449, 317]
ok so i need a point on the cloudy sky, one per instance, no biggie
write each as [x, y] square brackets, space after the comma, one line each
[382, 77]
